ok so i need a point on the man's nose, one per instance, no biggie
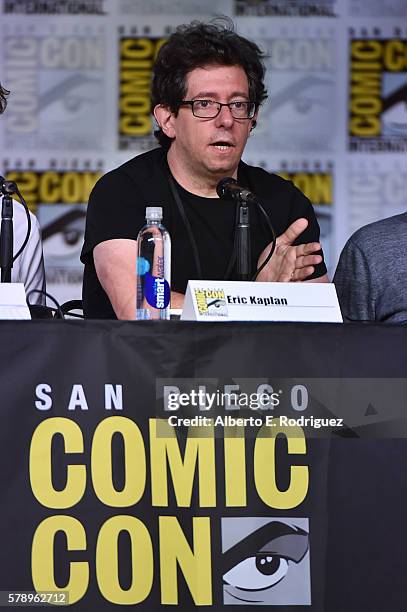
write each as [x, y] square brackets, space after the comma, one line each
[225, 117]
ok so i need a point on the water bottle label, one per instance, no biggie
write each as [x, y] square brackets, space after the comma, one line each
[143, 266]
[157, 291]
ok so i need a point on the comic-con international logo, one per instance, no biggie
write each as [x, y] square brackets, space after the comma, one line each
[58, 85]
[378, 95]
[285, 8]
[53, 186]
[317, 185]
[137, 56]
[301, 78]
[211, 302]
[54, 7]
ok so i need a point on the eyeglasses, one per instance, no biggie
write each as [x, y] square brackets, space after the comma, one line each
[209, 109]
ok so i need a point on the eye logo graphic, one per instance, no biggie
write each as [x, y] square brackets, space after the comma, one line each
[265, 561]
[298, 116]
[378, 95]
[211, 302]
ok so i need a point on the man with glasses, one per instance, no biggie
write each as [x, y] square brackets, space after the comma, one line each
[208, 85]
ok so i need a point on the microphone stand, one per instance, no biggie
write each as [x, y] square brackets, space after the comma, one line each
[243, 260]
[6, 235]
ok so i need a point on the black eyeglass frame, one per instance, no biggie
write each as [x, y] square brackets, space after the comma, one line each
[251, 108]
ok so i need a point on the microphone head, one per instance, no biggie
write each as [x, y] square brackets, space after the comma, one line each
[222, 187]
[7, 187]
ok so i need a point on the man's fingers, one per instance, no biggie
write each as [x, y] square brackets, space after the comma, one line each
[302, 274]
[307, 249]
[307, 260]
[292, 232]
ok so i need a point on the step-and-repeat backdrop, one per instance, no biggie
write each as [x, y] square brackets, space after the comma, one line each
[79, 71]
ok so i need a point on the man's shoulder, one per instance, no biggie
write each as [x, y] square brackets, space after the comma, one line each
[141, 166]
[20, 217]
[143, 173]
[383, 232]
[144, 161]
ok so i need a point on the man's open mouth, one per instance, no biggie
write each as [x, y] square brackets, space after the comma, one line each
[221, 145]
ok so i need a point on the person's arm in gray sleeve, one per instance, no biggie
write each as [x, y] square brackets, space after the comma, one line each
[353, 282]
[29, 266]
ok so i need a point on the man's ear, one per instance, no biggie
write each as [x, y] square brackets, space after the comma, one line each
[254, 120]
[165, 119]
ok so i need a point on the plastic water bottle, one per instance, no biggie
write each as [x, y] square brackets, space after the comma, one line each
[153, 271]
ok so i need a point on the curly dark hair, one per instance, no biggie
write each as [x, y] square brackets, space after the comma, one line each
[3, 101]
[196, 45]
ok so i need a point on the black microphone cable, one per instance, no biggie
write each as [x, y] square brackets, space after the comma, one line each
[47, 310]
[8, 188]
[229, 188]
[273, 241]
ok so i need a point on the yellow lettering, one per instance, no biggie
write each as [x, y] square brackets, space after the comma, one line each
[322, 189]
[135, 105]
[235, 466]
[366, 50]
[200, 448]
[42, 556]
[50, 187]
[265, 467]
[365, 83]
[89, 180]
[195, 564]
[395, 55]
[71, 187]
[135, 126]
[136, 48]
[134, 462]
[365, 105]
[41, 464]
[365, 126]
[107, 561]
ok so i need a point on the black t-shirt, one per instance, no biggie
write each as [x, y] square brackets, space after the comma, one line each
[117, 210]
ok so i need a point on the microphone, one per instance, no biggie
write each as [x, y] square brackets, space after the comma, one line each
[228, 188]
[7, 187]
[6, 231]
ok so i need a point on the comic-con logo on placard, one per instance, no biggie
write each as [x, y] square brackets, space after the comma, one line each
[137, 56]
[378, 94]
[211, 302]
[285, 8]
[54, 7]
[57, 78]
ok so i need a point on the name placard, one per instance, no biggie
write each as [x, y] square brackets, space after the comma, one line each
[13, 303]
[252, 301]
